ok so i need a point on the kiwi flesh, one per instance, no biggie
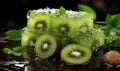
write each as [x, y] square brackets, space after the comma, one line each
[92, 40]
[72, 23]
[97, 38]
[84, 40]
[39, 23]
[80, 25]
[75, 54]
[46, 45]
[28, 38]
[60, 26]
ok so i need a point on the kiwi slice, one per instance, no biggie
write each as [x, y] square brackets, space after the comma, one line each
[28, 38]
[45, 45]
[60, 26]
[98, 38]
[84, 40]
[80, 25]
[75, 54]
[39, 23]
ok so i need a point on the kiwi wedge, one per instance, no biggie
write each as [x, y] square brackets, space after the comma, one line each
[45, 45]
[75, 54]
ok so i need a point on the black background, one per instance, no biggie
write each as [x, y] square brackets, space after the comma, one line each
[13, 12]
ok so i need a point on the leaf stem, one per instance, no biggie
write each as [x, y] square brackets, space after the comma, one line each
[100, 22]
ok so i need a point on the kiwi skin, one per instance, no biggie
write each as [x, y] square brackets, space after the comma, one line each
[44, 53]
[83, 58]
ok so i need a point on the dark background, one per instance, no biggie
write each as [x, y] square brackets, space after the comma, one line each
[13, 12]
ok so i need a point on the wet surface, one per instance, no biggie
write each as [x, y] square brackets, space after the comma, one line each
[17, 63]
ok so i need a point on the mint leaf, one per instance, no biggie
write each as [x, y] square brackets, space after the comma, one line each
[18, 51]
[62, 10]
[113, 20]
[13, 35]
[113, 25]
[86, 8]
[7, 50]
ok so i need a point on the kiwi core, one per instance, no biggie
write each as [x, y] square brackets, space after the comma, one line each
[41, 25]
[75, 53]
[32, 43]
[83, 29]
[45, 46]
[63, 28]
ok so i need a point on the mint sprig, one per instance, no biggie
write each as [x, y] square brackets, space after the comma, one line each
[82, 7]
[62, 10]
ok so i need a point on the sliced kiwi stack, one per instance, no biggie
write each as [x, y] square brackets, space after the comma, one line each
[46, 28]
[75, 54]
[46, 45]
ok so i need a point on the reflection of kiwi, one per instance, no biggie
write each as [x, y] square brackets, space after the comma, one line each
[29, 53]
[41, 65]
[45, 45]
[39, 23]
[75, 54]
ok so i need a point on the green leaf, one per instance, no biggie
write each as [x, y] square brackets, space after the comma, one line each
[13, 35]
[18, 51]
[7, 50]
[86, 8]
[62, 10]
[114, 21]
[113, 25]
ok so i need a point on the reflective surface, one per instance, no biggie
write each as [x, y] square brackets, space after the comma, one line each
[54, 63]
